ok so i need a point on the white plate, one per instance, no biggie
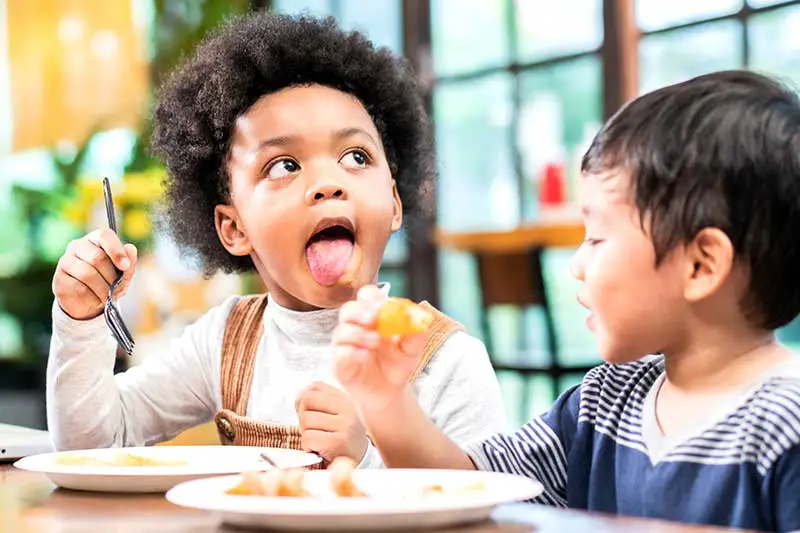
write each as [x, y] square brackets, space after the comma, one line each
[394, 503]
[201, 461]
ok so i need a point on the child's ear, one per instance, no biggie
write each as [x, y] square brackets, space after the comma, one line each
[397, 215]
[709, 258]
[230, 231]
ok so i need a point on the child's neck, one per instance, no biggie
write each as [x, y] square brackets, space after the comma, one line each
[720, 361]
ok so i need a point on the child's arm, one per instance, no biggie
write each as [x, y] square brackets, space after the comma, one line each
[170, 391]
[375, 372]
[407, 438]
[89, 407]
[459, 392]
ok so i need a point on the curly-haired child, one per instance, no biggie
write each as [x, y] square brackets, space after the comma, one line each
[295, 149]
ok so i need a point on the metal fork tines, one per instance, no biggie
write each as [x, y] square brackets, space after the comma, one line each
[111, 312]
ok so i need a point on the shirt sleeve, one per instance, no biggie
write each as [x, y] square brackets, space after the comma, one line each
[90, 407]
[538, 450]
[459, 391]
[787, 483]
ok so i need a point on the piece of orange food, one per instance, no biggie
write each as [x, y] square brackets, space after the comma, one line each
[400, 316]
[289, 482]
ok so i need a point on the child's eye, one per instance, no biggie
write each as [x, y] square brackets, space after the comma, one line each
[281, 169]
[592, 242]
[355, 159]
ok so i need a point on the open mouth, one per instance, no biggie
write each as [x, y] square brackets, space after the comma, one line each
[329, 250]
[332, 233]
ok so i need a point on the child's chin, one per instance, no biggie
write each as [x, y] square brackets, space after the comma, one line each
[327, 297]
[617, 355]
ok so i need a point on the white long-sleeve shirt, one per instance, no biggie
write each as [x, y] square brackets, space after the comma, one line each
[90, 407]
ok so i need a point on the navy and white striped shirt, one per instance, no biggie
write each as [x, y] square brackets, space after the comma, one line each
[594, 450]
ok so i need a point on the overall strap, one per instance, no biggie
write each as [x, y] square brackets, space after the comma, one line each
[440, 329]
[239, 347]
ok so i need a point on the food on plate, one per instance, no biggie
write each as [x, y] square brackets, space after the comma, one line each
[277, 482]
[289, 482]
[431, 490]
[119, 459]
[400, 316]
[342, 483]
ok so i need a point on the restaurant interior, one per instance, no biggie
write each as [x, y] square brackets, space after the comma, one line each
[516, 89]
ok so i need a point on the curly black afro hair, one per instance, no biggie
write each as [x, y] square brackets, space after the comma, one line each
[259, 54]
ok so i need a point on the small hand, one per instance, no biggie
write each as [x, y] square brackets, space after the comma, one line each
[86, 271]
[373, 369]
[329, 423]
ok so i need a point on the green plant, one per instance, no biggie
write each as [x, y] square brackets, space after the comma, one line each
[57, 213]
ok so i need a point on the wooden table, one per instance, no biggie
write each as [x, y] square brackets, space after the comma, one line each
[61, 511]
[558, 233]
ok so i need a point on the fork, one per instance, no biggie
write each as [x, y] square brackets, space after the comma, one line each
[111, 312]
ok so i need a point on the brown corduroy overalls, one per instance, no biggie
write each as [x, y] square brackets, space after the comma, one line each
[239, 346]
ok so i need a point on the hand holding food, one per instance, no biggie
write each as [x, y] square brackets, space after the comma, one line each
[377, 345]
[400, 316]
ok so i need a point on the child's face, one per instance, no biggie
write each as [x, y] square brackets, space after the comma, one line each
[636, 308]
[313, 199]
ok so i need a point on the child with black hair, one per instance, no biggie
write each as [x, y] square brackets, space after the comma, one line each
[691, 202]
[292, 148]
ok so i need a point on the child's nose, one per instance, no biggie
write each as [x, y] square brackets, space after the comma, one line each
[576, 264]
[325, 191]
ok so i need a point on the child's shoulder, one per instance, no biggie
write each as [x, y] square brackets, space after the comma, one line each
[779, 391]
[215, 320]
[767, 422]
[775, 404]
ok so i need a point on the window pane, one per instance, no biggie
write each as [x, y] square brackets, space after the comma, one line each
[656, 14]
[577, 345]
[397, 278]
[318, 8]
[524, 396]
[774, 45]
[396, 249]
[672, 57]
[477, 187]
[540, 395]
[468, 35]
[380, 20]
[562, 108]
[511, 387]
[570, 380]
[790, 334]
[541, 24]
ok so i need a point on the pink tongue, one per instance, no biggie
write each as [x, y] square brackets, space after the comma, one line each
[328, 258]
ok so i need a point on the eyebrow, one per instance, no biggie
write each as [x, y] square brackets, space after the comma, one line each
[350, 132]
[286, 140]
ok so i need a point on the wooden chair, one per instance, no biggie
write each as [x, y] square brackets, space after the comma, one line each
[517, 279]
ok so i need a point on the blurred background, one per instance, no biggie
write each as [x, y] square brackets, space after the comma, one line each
[517, 89]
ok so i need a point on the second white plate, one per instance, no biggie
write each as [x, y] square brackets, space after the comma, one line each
[197, 462]
[395, 500]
